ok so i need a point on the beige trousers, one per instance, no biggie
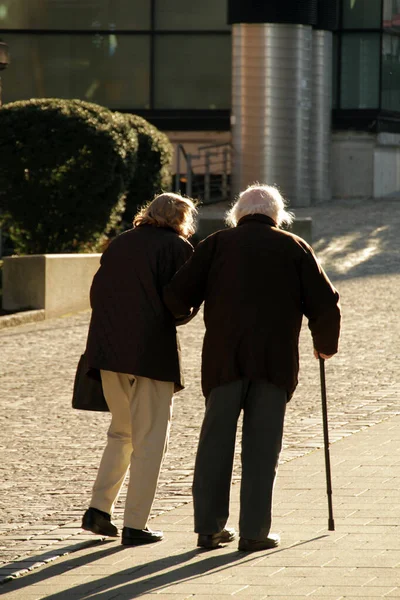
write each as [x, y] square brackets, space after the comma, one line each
[141, 410]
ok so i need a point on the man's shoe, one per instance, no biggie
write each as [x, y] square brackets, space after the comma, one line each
[272, 541]
[99, 522]
[136, 537]
[214, 540]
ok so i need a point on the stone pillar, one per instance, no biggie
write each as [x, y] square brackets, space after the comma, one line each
[320, 135]
[271, 94]
[281, 96]
[271, 107]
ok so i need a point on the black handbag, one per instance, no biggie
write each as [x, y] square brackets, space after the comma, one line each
[88, 390]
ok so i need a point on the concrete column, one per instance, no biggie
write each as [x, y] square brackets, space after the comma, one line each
[271, 107]
[320, 135]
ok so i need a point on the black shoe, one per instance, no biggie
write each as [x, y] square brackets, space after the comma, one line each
[272, 541]
[99, 522]
[136, 537]
[215, 539]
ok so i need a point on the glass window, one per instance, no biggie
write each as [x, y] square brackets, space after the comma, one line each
[391, 73]
[191, 14]
[106, 69]
[193, 71]
[391, 15]
[362, 14]
[360, 65]
[74, 14]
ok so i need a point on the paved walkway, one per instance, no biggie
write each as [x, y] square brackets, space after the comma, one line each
[49, 454]
[361, 559]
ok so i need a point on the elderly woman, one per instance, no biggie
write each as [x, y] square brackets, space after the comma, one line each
[132, 341]
[257, 282]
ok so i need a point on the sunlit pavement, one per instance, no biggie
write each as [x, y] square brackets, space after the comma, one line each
[50, 453]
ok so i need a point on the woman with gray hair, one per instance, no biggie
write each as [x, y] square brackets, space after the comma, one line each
[257, 281]
[132, 342]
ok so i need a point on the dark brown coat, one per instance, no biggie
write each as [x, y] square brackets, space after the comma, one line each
[257, 282]
[131, 331]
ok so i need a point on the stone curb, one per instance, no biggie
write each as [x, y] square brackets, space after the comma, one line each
[20, 318]
[62, 545]
[27, 564]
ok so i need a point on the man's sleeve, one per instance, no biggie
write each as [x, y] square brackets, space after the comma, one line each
[188, 286]
[320, 304]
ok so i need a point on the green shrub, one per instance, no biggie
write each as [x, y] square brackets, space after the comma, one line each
[65, 166]
[153, 170]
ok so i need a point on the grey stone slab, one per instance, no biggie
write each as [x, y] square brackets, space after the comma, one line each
[48, 479]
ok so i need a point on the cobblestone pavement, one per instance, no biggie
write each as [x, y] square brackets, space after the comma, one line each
[49, 453]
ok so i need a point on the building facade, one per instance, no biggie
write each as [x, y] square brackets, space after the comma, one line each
[366, 99]
[179, 64]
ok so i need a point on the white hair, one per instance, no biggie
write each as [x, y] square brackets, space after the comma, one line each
[260, 199]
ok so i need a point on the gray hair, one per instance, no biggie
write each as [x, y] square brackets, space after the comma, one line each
[260, 199]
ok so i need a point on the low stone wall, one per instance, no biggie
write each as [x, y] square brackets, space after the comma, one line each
[57, 283]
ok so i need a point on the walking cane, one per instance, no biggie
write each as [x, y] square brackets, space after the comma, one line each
[331, 523]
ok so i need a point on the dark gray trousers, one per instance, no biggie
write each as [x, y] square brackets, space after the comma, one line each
[264, 408]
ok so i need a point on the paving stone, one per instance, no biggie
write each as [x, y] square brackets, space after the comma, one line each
[52, 452]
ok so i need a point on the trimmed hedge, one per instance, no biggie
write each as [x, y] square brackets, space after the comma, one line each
[153, 170]
[65, 167]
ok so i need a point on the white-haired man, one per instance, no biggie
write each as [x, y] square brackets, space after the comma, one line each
[256, 282]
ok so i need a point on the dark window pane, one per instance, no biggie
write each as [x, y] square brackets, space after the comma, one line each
[391, 73]
[360, 60]
[191, 14]
[362, 14]
[109, 70]
[74, 14]
[391, 15]
[193, 71]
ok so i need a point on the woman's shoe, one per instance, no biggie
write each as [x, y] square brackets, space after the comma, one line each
[99, 522]
[136, 537]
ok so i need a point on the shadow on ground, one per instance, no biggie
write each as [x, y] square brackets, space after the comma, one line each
[144, 578]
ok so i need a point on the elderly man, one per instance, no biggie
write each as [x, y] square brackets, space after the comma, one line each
[256, 282]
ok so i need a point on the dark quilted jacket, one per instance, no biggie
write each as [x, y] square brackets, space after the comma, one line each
[131, 331]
